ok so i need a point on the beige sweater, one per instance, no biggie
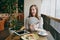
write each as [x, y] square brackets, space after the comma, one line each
[38, 26]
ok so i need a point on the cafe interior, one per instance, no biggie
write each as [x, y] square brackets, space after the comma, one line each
[14, 12]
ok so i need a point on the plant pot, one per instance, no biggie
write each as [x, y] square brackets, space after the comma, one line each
[11, 31]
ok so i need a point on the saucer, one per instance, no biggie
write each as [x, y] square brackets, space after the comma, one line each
[43, 33]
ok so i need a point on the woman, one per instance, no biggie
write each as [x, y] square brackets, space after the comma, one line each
[33, 14]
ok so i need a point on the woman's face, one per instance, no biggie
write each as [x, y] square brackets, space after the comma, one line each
[33, 11]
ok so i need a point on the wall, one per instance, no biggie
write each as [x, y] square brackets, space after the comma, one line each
[48, 7]
[51, 8]
[58, 9]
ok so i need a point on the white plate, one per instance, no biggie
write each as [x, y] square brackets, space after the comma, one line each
[43, 33]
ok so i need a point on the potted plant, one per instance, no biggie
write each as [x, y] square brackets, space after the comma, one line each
[15, 24]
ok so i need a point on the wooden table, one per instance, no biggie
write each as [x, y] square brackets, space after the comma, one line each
[15, 37]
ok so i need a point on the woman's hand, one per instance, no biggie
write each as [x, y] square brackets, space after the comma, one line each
[32, 27]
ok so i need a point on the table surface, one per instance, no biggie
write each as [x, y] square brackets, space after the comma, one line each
[15, 37]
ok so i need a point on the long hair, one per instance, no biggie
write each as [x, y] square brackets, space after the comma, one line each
[30, 14]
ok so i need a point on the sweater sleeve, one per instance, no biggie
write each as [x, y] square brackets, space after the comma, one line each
[41, 23]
